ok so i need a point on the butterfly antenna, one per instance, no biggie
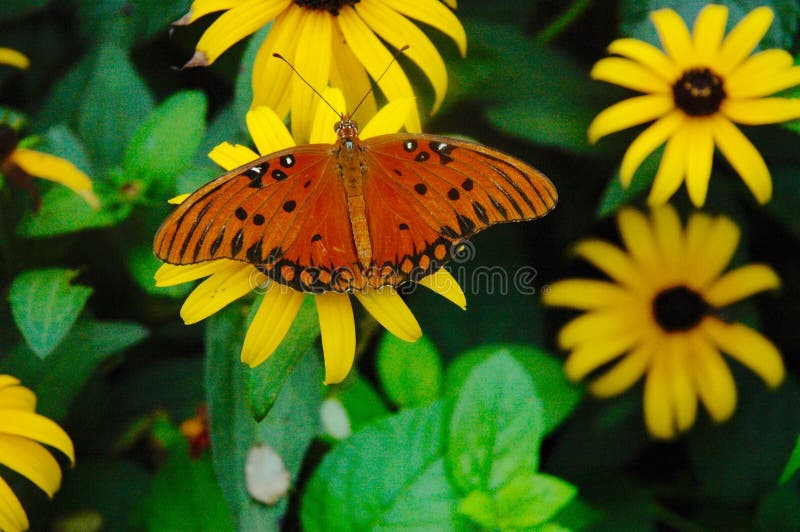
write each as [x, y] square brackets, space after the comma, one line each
[372, 89]
[279, 56]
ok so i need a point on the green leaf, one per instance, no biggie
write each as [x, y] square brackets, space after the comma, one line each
[62, 211]
[530, 499]
[558, 396]
[793, 465]
[45, 306]
[17, 8]
[410, 373]
[289, 428]
[165, 144]
[265, 382]
[184, 494]
[390, 475]
[779, 510]
[60, 140]
[496, 427]
[143, 264]
[615, 196]
[115, 102]
[360, 400]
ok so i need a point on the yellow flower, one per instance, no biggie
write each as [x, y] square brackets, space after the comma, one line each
[329, 41]
[13, 58]
[662, 316]
[695, 92]
[229, 280]
[18, 164]
[22, 432]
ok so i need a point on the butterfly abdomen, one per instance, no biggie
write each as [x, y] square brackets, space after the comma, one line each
[352, 171]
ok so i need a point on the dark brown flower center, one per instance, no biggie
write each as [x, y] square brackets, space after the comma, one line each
[679, 309]
[332, 6]
[699, 92]
[8, 141]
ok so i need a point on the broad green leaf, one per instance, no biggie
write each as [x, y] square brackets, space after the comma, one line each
[60, 140]
[360, 400]
[63, 211]
[496, 427]
[184, 494]
[410, 373]
[558, 396]
[289, 427]
[615, 196]
[64, 100]
[793, 465]
[165, 144]
[115, 102]
[143, 264]
[45, 306]
[59, 378]
[265, 382]
[390, 475]
[779, 510]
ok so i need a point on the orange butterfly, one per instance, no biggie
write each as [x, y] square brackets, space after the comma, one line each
[355, 214]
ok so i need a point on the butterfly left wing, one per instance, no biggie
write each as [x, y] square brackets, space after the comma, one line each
[424, 193]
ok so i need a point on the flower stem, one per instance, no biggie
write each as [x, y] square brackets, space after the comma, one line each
[563, 21]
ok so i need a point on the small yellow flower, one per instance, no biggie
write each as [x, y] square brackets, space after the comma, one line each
[14, 58]
[18, 164]
[695, 92]
[662, 317]
[336, 42]
[22, 432]
[229, 280]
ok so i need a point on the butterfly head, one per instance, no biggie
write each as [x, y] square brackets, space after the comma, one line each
[346, 128]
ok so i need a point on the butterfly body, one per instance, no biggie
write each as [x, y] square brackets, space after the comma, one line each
[356, 214]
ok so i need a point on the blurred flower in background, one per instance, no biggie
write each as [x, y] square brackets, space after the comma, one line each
[660, 317]
[340, 42]
[22, 432]
[229, 280]
[696, 89]
[13, 58]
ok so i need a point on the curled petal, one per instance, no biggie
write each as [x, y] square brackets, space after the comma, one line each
[56, 169]
[201, 8]
[32, 461]
[38, 428]
[390, 310]
[14, 58]
[171, 275]
[12, 515]
[443, 283]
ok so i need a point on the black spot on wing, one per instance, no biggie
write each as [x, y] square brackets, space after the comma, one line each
[253, 253]
[465, 225]
[236, 243]
[480, 212]
[217, 242]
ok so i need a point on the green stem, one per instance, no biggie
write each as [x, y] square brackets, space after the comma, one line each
[563, 21]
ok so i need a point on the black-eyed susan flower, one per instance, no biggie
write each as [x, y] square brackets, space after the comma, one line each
[695, 90]
[14, 58]
[22, 433]
[18, 163]
[336, 42]
[228, 280]
[662, 317]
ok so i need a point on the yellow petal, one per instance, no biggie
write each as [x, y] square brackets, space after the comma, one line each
[12, 515]
[584, 294]
[741, 283]
[624, 373]
[762, 111]
[375, 57]
[668, 234]
[433, 13]
[753, 77]
[684, 395]
[177, 200]
[744, 158]
[743, 39]
[699, 159]
[56, 169]
[201, 8]
[648, 55]
[36, 427]
[230, 282]
[313, 60]
[444, 284]
[636, 233]
[32, 461]
[698, 229]
[17, 397]
[709, 29]
[591, 355]
[170, 275]
[672, 168]
[389, 119]
[8, 381]
[601, 324]
[271, 76]
[268, 131]
[348, 74]
[611, 260]
[713, 378]
[324, 118]
[674, 35]
[629, 74]
[230, 156]
[272, 321]
[716, 252]
[398, 31]
[658, 412]
[338, 331]
[14, 58]
[233, 26]
[748, 347]
[629, 113]
[390, 310]
[650, 139]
